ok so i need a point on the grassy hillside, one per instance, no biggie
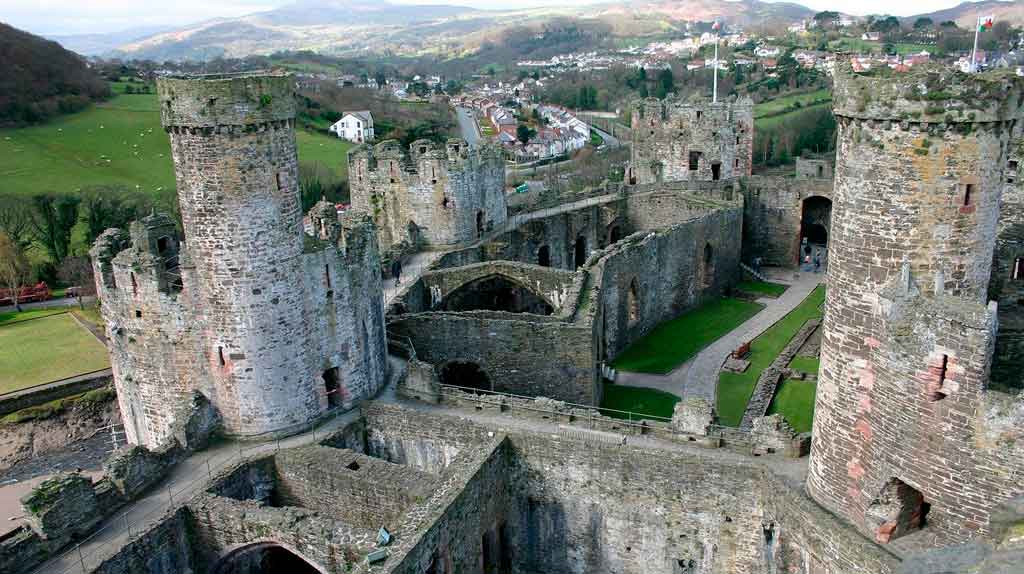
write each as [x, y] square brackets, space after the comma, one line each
[118, 142]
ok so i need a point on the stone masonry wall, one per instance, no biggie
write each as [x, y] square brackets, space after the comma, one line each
[907, 337]
[671, 136]
[430, 195]
[772, 210]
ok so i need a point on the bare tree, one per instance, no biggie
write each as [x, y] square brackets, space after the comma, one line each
[14, 268]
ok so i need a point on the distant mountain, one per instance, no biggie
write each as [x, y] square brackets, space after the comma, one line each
[41, 79]
[966, 14]
[96, 44]
[350, 26]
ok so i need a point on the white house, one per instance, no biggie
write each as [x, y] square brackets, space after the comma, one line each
[354, 126]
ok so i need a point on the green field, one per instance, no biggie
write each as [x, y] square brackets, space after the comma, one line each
[855, 45]
[794, 400]
[771, 122]
[47, 349]
[8, 317]
[671, 343]
[118, 142]
[639, 400]
[786, 103]
[762, 288]
[734, 389]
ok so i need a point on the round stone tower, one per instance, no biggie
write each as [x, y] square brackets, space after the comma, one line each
[907, 333]
[233, 143]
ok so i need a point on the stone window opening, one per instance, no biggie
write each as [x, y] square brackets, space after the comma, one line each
[899, 509]
[579, 252]
[716, 171]
[938, 389]
[699, 114]
[327, 275]
[632, 176]
[423, 149]
[968, 192]
[444, 202]
[138, 314]
[479, 223]
[433, 175]
[737, 140]
[707, 268]
[352, 465]
[277, 180]
[220, 356]
[135, 284]
[694, 160]
[633, 303]
[736, 163]
[1018, 268]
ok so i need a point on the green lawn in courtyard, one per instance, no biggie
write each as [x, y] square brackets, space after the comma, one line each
[47, 349]
[805, 364]
[673, 342]
[651, 402]
[762, 288]
[734, 389]
[794, 400]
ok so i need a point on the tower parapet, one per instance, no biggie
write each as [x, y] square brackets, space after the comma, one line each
[901, 434]
[692, 140]
[429, 194]
[272, 326]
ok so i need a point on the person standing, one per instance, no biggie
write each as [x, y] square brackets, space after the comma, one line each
[396, 270]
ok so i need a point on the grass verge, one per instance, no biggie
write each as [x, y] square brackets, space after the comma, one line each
[807, 365]
[673, 342]
[47, 349]
[794, 400]
[762, 288]
[11, 317]
[57, 406]
[734, 389]
[638, 400]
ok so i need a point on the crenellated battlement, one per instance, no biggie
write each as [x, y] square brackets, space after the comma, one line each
[206, 101]
[933, 94]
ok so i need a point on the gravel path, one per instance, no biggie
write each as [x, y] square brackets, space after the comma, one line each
[698, 377]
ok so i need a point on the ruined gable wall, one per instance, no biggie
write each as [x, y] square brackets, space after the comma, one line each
[554, 285]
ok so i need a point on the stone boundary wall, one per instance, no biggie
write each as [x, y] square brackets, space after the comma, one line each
[164, 548]
[37, 395]
[764, 390]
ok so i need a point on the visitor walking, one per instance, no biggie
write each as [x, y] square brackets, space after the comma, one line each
[396, 270]
[817, 262]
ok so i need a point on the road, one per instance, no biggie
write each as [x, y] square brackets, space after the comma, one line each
[468, 126]
[609, 140]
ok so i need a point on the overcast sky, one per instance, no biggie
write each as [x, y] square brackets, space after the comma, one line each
[52, 17]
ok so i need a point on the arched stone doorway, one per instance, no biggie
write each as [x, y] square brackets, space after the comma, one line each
[579, 252]
[614, 234]
[479, 223]
[265, 558]
[707, 266]
[465, 374]
[815, 221]
[544, 256]
[496, 293]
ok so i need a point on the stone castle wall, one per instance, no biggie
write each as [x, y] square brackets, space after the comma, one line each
[902, 411]
[249, 311]
[428, 195]
[773, 209]
[675, 141]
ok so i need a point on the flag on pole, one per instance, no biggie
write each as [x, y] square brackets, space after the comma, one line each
[985, 23]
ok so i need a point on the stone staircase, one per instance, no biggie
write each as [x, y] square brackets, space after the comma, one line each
[751, 272]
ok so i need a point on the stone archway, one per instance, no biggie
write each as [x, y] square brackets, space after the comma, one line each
[579, 252]
[815, 220]
[265, 558]
[496, 292]
[465, 374]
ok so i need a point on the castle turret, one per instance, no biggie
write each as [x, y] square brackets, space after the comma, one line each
[676, 140]
[233, 143]
[429, 194]
[903, 432]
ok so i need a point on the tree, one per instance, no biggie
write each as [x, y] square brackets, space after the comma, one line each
[923, 22]
[524, 133]
[666, 83]
[107, 206]
[827, 18]
[14, 268]
[380, 78]
[52, 220]
[77, 272]
[888, 24]
[15, 216]
[948, 24]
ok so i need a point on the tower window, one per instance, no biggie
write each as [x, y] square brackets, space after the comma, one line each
[699, 114]
[939, 390]
[135, 285]
[327, 275]
[277, 180]
[694, 160]
[968, 194]
[138, 314]
[1018, 268]
[220, 355]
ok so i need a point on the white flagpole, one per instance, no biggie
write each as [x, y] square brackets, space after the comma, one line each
[974, 52]
[714, 96]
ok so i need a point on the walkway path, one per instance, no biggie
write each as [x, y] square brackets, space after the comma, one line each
[698, 377]
[413, 267]
[468, 126]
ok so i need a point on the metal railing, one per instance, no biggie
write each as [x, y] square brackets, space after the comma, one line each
[83, 560]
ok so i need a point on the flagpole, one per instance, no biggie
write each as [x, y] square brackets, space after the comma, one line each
[974, 52]
[714, 96]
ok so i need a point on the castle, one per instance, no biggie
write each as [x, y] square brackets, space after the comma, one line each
[917, 426]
